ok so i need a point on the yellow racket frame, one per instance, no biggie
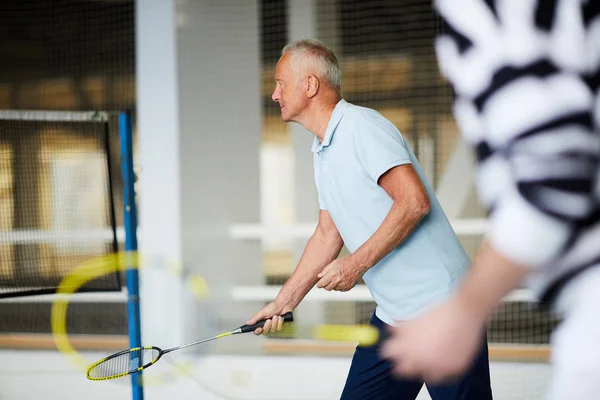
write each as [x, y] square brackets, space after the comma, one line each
[115, 376]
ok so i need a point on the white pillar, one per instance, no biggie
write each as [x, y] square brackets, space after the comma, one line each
[199, 130]
[159, 194]
[455, 185]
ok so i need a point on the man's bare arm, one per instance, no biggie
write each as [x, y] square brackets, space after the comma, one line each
[411, 204]
[323, 247]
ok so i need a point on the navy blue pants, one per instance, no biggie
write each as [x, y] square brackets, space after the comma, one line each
[370, 377]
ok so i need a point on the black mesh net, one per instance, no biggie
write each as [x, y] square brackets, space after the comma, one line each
[61, 190]
[57, 207]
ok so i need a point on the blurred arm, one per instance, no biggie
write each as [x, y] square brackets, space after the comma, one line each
[531, 124]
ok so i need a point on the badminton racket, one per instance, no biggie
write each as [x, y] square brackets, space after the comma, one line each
[136, 359]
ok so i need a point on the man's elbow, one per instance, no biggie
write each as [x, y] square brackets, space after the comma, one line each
[336, 241]
[422, 207]
[329, 235]
[413, 209]
[333, 238]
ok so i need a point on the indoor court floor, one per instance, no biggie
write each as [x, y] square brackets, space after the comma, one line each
[50, 375]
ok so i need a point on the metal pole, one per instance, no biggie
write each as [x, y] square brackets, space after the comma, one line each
[131, 245]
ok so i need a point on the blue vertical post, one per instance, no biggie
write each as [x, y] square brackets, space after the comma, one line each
[131, 245]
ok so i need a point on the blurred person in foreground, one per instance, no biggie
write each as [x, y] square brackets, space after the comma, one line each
[526, 76]
[374, 198]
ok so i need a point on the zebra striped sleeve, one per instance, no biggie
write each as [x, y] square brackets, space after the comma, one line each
[519, 70]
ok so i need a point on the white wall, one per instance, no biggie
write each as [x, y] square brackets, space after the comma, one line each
[220, 131]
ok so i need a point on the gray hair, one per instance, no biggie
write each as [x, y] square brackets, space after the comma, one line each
[326, 61]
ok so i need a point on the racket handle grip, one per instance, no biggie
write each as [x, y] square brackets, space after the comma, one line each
[287, 317]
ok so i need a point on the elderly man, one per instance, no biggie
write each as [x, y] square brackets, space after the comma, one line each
[374, 198]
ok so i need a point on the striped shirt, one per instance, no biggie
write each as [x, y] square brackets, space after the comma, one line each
[526, 76]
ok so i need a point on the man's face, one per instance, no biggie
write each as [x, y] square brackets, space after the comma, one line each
[289, 89]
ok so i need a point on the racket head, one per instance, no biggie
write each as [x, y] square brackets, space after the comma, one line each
[124, 363]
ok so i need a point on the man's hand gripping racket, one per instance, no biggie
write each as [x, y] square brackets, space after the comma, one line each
[271, 316]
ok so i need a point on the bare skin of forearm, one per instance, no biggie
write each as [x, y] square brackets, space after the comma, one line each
[491, 277]
[318, 253]
[395, 228]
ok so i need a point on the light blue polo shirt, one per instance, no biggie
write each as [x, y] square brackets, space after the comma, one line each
[358, 147]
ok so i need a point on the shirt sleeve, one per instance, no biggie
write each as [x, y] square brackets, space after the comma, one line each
[379, 147]
[529, 115]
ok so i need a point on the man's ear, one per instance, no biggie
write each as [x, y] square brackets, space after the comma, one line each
[312, 85]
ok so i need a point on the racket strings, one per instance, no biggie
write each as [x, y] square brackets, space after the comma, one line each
[123, 363]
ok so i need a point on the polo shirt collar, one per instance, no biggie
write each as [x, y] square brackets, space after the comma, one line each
[335, 119]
